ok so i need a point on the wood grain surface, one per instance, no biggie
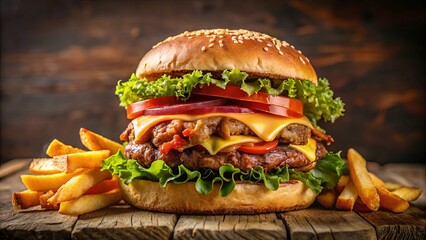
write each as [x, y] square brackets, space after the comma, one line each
[60, 62]
[124, 222]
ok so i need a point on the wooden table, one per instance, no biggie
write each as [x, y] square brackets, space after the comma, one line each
[124, 222]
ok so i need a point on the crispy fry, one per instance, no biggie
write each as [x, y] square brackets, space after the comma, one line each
[327, 198]
[104, 186]
[362, 181]
[43, 183]
[44, 203]
[392, 186]
[409, 194]
[69, 162]
[58, 148]
[95, 141]
[88, 203]
[388, 200]
[78, 185]
[25, 199]
[343, 180]
[347, 198]
[45, 166]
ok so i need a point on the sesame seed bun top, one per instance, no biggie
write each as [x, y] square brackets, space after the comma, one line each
[218, 49]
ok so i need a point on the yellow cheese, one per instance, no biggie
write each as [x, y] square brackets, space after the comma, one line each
[215, 144]
[309, 149]
[266, 126]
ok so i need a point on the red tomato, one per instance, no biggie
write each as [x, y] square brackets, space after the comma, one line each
[136, 109]
[234, 92]
[259, 148]
[184, 107]
[273, 109]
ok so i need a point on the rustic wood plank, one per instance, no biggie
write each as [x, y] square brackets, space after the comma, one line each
[262, 226]
[410, 224]
[32, 223]
[317, 223]
[13, 166]
[124, 222]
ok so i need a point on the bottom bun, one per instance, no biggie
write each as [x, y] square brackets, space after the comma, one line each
[244, 199]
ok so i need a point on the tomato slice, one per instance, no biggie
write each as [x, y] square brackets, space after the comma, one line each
[184, 107]
[235, 92]
[259, 148]
[273, 109]
[136, 109]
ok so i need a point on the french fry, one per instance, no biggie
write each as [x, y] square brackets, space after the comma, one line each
[43, 183]
[25, 199]
[78, 185]
[392, 186]
[327, 198]
[343, 180]
[362, 181]
[104, 186]
[389, 200]
[95, 141]
[69, 162]
[45, 166]
[58, 148]
[347, 198]
[88, 203]
[409, 194]
[44, 203]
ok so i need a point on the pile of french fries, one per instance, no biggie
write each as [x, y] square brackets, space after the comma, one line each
[71, 180]
[364, 191]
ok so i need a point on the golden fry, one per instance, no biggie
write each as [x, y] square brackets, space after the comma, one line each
[388, 200]
[95, 141]
[43, 183]
[69, 162]
[78, 185]
[44, 203]
[104, 186]
[343, 180]
[409, 194]
[327, 198]
[362, 181]
[347, 198]
[392, 186]
[25, 199]
[58, 148]
[89, 203]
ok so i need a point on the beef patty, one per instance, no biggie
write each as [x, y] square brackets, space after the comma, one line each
[194, 158]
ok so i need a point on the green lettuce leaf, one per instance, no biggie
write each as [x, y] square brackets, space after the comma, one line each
[326, 174]
[318, 101]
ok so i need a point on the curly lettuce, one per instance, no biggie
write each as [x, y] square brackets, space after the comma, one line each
[326, 174]
[318, 100]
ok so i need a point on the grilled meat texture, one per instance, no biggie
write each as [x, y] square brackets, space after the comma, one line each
[200, 130]
[193, 158]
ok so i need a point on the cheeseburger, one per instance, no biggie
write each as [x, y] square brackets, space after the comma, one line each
[225, 122]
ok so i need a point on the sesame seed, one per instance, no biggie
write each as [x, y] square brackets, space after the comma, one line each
[211, 40]
[269, 45]
[300, 58]
[203, 48]
[281, 53]
[221, 44]
[211, 45]
[266, 49]
[240, 41]
[299, 51]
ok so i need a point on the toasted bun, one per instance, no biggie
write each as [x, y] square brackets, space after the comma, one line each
[218, 49]
[244, 199]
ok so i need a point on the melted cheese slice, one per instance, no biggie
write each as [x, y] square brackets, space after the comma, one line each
[215, 144]
[265, 126]
[309, 149]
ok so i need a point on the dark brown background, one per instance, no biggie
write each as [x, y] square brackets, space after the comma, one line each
[60, 63]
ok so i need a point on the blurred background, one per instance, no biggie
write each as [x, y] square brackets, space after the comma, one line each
[61, 60]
